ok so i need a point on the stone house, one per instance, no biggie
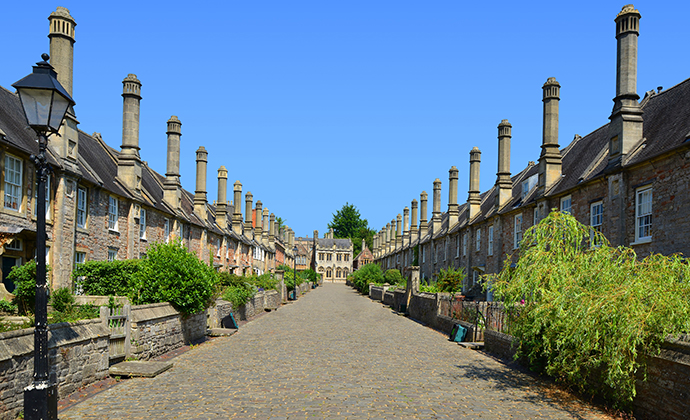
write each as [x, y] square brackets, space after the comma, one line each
[364, 257]
[331, 258]
[107, 204]
[628, 179]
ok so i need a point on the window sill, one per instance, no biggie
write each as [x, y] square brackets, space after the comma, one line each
[113, 231]
[642, 241]
[82, 230]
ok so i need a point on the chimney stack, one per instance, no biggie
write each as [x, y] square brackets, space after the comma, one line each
[129, 162]
[625, 130]
[264, 234]
[436, 213]
[473, 201]
[171, 186]
[237, 208]
[413, 227]
[388, 238]
[62, 46]
[453, 212]
[398, 231]
[222, 204]
[200, 193]
[406, 224]
[550, 159]
[258, 224]
[504, 185]
[248, 228]
[423, 224]
[271, 230]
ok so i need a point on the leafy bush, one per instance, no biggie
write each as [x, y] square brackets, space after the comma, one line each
[450, 280]
[429, 288]
[393, 276]
[7, 306]
[24, 278]
[265, 281]
[172, 274]
[62, 300]
[74, 313]
[309, 275]
[239, 294]
[369, 273]
[104, 278]
[589, 315]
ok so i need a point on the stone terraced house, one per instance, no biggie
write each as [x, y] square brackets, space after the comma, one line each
[107, 204]
[628, 179]
[330, 257]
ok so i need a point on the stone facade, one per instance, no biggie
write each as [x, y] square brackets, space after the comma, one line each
[107, 204]
[625, 179]
[331, 258]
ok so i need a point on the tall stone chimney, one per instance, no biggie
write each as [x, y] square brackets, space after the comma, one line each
[237, 208]
[413, 225]
[264, 233]
[258, 224]
[423, 224]
[61, 34]
[473, 201]
[171, 186]
[504, 185]
[271, 230]
[393, 235]
[453, 212]
[129, 162]
[248, 228]
[550, 160]
[222, 204]
[406, 224]
[388, 238]
[200, 192]
[436, 213]
[398, 231]
[625, 130]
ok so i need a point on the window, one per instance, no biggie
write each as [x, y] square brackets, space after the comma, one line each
[535, 220]
[14, 245]
[112, 213]
[517, 232]
[79, 258]
[423, 253]
[643, 214]
[479, 239]
[338, 273]
[166, 230]
[112, 255]
[528, 184]
[329, 273]
[490, 249]
[596, 211]
[142, 224]
[435, 252]
[347, 257]
[321, 256]
[329, 257]
[13, 183]
[457, 246]
[81, 207]
[464, 244]
[47, 185]
[339, 257]
[445, 248]
[566, 204]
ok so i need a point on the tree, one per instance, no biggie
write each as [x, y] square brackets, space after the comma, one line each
[280, 222]
[348, 223]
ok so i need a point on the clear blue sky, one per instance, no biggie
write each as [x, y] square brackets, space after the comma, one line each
[311, 104]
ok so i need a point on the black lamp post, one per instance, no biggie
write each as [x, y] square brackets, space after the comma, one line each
[45, 104]
[294, 267]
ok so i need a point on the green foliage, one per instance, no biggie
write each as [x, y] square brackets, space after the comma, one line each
[265, 281]
[7, 306]
[309, 275]
[588, 315]
[172, 274]
[429, 288]
[348, 223]
[104, 278]
[62, 300]
[392, 276]
[369, 273]
[415, 253]
[239, 294]
[24, 278]
[74, 313]
[450, 280]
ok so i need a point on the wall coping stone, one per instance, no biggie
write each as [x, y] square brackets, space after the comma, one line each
[142, 313]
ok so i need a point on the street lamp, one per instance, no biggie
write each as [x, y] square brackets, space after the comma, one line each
[294, 268]
[45, 103]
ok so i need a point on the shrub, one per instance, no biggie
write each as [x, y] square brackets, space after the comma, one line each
[450, 280]
[588, 315]
[369, 273]
[105, 278]
[239, 294]
[7, 306]
[172, 274]
[265, 281]
[75, 313]
[62, 300]
[24, 278]
[309, 275]
[393, 276]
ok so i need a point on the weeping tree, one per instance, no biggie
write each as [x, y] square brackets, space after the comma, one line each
[588, 313]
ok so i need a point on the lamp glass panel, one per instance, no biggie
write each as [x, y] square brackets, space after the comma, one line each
[60, 105]
[36, 103]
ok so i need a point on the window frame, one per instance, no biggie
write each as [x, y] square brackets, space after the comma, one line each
[142, 223]
[112, 255]
[517, 233]
[18, 188]
[639, 217]
[567, 199]
[478, 239]
[166, 229]
[83, 212]
[113, 217]
[490, 245]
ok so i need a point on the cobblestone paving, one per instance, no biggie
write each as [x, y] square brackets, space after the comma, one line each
[332, 354]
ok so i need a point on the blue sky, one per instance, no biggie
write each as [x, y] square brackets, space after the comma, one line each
[312, 104]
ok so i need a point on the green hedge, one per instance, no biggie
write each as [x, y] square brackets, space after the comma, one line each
[369, 273]
[105, 278]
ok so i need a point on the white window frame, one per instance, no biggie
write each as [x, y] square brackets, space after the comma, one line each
[142, 224]
[81, 207]
[79, 257]
[113, 213]
[567, 204]
[166, 230]
[423, 254]
[643, 214]
[596, 215]
[535, 216]
[457, 246]
[517, 231]
[445, 249]
[112, 255]
[464, 244]
[490, 247]
[14, 190]
[478, 239]
[15, 244]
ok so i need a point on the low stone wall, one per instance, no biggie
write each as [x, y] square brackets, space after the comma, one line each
[388, 298]
[376, 292]
[219, 314]
[78, 356]
[499, 344]
[157, 328]
[423, 308]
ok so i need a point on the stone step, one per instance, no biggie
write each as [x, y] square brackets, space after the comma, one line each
[147, 369]
[472, 345]
[221, 332]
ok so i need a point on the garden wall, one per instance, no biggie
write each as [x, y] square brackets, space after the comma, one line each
[78, 356]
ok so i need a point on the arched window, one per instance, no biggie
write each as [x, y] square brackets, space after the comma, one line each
[338, 273]
[329, 273]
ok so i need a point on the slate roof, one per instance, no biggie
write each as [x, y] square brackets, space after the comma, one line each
[339, 243]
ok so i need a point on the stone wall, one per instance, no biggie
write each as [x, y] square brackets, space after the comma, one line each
[376, 292]
[78, 356]
[156, 330]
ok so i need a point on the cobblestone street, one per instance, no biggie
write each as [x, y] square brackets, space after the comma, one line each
[333, 354]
